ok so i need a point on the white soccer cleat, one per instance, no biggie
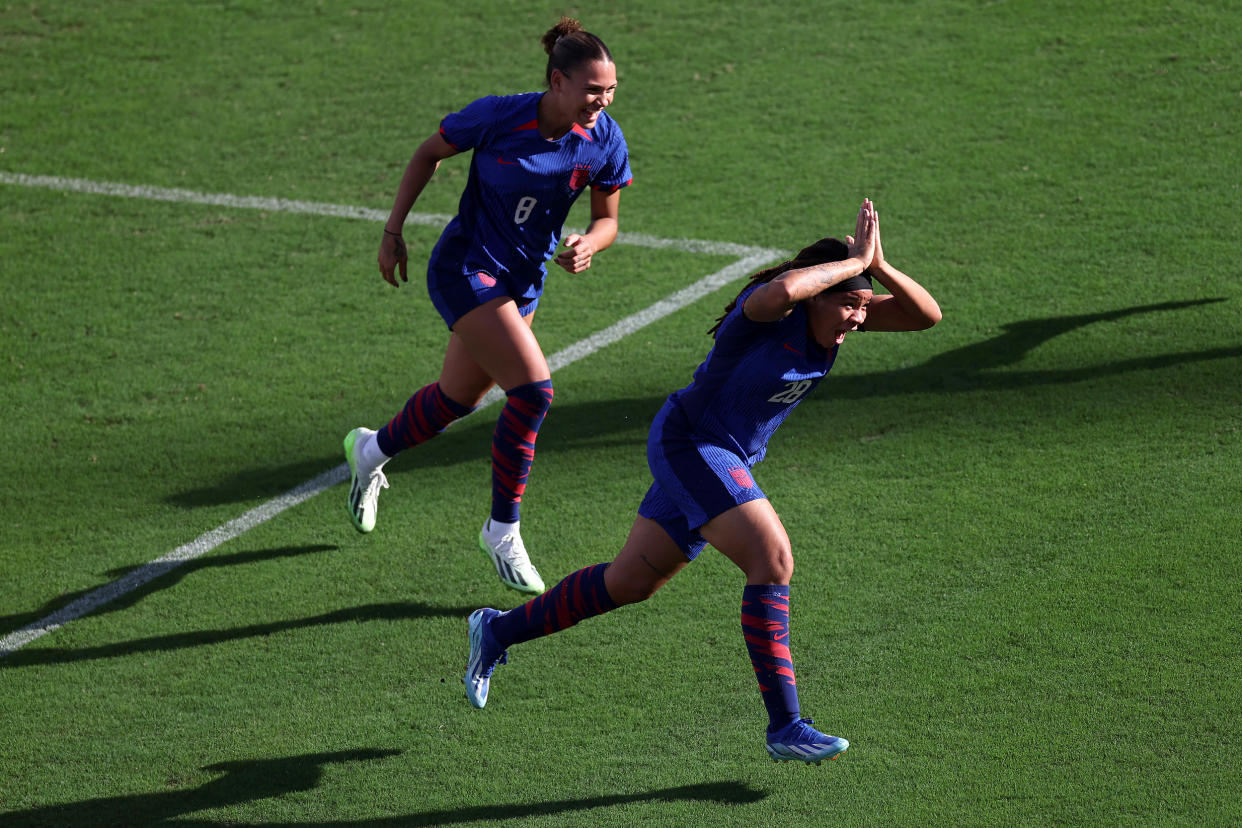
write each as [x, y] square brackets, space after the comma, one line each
[513, 566]
[364, 483]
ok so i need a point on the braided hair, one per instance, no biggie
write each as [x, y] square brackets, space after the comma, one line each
[821, 252]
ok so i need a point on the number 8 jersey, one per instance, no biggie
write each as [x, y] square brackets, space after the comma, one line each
[520, 188]
[752, 379]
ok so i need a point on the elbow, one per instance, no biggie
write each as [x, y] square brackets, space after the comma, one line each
[780, 294]
[932, 316]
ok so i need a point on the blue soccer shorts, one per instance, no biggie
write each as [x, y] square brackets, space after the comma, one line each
[455, 294]
[695, 480]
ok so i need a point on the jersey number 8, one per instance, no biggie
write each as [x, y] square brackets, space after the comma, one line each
[524, 208]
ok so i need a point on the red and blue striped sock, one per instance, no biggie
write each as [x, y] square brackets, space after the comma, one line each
[580, 595]
[765, 626]
[513, 446]
[425, 415]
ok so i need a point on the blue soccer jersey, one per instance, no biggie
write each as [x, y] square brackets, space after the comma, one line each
[754, 376]
[520, 188]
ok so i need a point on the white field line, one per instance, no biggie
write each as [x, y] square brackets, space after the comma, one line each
[750, 259]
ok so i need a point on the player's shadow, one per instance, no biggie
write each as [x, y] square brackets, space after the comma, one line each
[461, 443]
[977, 366]
[393, 611]
[242, 781]
[172, 577]
[258, 483]
[252, 780]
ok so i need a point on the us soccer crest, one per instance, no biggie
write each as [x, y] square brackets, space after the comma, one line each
[580, 177]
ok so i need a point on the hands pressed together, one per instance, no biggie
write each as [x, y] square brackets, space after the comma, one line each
[865, 243]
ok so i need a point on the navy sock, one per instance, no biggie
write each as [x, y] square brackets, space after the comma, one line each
[513, 446]
[580, 595]
[765, 626]
[425, 415]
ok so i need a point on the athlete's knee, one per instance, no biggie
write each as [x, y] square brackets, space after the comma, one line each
[774, 566]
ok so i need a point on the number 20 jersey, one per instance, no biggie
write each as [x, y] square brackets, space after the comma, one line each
[521, 186]
[753, 377]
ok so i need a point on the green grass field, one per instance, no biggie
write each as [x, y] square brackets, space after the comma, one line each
[1016, 534]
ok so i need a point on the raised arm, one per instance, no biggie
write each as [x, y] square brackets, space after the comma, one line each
[418, 172]
[909, 307]
[775, 299]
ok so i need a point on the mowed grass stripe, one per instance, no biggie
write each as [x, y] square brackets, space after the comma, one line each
[752, 259]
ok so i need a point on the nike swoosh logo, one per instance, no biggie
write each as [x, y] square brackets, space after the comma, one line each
[507, 163]
[789, 347]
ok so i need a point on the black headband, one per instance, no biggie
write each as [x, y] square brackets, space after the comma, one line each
[860, 282]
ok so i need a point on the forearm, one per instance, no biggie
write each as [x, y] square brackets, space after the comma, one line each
[417, 173]
[805, 282]
[912, 297]
[601, 233]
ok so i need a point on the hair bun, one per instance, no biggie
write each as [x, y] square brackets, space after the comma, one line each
[564, 26]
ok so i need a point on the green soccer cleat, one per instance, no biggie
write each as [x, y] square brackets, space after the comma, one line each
[364, 484]
[513, 567]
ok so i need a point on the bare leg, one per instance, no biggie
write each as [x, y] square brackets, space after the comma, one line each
[463, 379]
[753, 537]
[647, 562]
[494, 342]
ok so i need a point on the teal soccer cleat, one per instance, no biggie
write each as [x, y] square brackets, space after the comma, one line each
[485, 654]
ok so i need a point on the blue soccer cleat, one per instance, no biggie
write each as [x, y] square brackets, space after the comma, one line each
[485, 654]
[799, 742]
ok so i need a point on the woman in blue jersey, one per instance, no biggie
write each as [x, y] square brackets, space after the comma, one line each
[533, 154]
[773, 344]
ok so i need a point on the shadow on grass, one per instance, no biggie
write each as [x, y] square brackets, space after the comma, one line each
[258, 483]
[170, 578]
[395, 611]
[251, 780]
[969, 368]
[460, 444]
[976, 367]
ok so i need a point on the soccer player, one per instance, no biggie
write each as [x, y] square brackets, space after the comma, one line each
[533, 154]
[774, 343]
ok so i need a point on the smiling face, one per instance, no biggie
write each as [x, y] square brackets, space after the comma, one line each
[583, 94]
[833, 315]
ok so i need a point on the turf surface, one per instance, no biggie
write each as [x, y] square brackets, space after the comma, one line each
[1015, 534]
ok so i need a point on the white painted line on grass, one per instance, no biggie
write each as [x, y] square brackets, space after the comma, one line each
[752, 258]
[319, 208]
[199, 546]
